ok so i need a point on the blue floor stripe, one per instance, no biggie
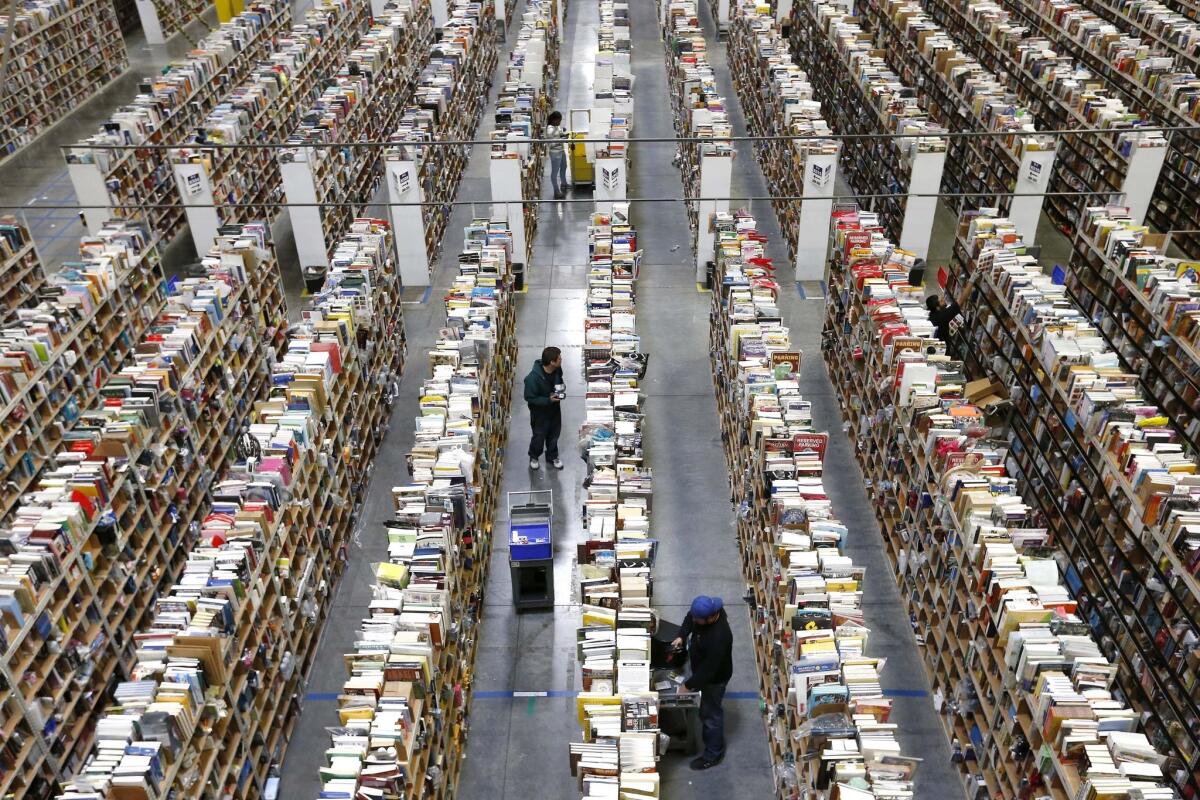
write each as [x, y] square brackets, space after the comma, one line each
[800, 289]
[427, 294]
[504, 694]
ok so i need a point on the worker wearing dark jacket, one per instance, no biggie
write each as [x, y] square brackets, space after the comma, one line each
[941, 315]
[544, 388]
[710, 650]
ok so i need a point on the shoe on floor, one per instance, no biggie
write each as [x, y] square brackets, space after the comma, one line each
[702, 763]
[557, 463]
[534, 464]
[559, 196]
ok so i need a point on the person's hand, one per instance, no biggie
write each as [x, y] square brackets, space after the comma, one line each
[678, 642]
[554, 398]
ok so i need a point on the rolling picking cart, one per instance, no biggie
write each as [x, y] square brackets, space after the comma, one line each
[531, 548]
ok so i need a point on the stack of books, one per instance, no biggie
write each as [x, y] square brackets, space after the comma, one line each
[167, 108]
[974, 557]
[811, 640]
[403, 700]
[525, 100]
[266, 107]
[618, 707]
[60, 347]
[698, 105]
[446, 106]
[778, 99]
[362, 102]
[265, 474]
[862, 95]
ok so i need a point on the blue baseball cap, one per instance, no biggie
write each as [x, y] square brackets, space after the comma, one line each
[704, 606]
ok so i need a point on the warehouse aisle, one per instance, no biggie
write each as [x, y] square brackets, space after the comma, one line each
[526, 673]
[424, 315]
[903, 679]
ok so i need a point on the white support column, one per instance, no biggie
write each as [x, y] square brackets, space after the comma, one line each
[716, 176]
[440, 13]
[195, 188]
[926, 178]
[534, 70]
[812, 239]
[151, 24]
[506, 186]
[1033, 176]
[611, 182]
[309, 230]
[783, 10]
[499, 12]
[722, 16]
[377, 7]
[92, 194]
[408, 222]
[1141, 177]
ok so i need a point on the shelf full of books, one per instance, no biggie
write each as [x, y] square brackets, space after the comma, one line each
[860, 95]
[1025, 680]
[403, 708]
[330, 185]
[161, 20]
[699, 110]
[21, 271]
[226, 646]
[446, 106]
[133, 182]
[1063, 95]
[522, 106]
[101, 531]
[618, 707]
[963, 96]
[1147, 307]
[610, 117]
[778, 100]
[221, 185]
[1154, 74]
[66, 342]
[805, 594]
[58, 55]
[1107, 467]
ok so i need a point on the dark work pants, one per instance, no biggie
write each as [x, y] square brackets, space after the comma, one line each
[546, 425]
[712, 720]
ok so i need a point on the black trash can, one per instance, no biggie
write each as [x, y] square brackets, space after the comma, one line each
[518, 270]
[314, 278]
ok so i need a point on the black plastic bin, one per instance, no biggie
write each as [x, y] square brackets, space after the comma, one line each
[314, 278]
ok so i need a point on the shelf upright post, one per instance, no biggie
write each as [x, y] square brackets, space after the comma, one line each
[716, 176]
[299, 185]
[92, 193]
[440, 13]
[1141, 178]
[1033, 176]
[506, 186]
[812, 236]
[925, 178]
[195, 188]
[408, 222]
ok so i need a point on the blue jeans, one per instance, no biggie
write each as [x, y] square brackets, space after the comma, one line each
[558, 172]
[712, 720]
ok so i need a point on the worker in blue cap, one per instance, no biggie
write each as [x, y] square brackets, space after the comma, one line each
[710, 654]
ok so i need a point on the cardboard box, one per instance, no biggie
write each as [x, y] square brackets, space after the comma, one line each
[985, 393]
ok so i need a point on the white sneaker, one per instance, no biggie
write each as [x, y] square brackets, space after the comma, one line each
[534, 464]
[557, 463]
